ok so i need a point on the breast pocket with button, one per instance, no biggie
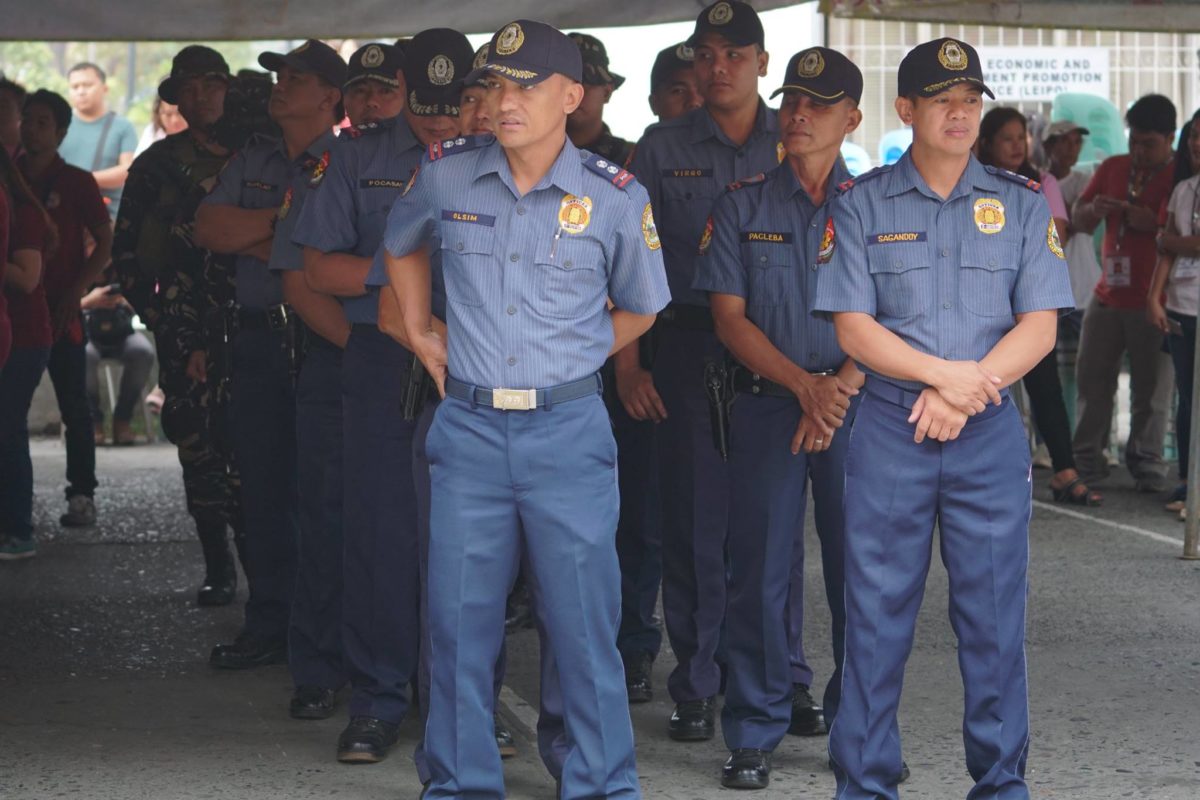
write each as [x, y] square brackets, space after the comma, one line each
[770, 273]
[572, 281]
[987, 274]
[468, 264]
[903, 276]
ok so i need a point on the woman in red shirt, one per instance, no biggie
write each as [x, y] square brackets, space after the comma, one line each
[30, 238]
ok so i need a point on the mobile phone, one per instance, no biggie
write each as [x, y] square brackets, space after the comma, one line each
[114, 288]
[1174, 327]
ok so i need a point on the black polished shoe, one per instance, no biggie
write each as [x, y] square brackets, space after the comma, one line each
[747, 769]
[905, 772]
[311, 702]
[808, 718]
[639, 684]
[247, 652]
[693, 720]
[504, 738]
[366, 740]
[220, 587]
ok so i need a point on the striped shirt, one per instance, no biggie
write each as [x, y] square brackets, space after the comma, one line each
[685, 163]
[258, 177]
[766, 239]
[370, 167]
[528, 277]
[946, 276]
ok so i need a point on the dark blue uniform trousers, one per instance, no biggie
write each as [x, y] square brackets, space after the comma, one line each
[766, 548]
[263, 421]
[381, 592]
[315, 633]
[551, 733]
[545, 479]
[639, 541]
[694, 501]
[976, 489]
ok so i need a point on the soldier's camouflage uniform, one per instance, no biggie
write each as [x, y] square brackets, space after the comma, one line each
[163, 274]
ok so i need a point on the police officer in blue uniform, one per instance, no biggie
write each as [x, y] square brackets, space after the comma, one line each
[239, 217]
[945, 279]
[341, 229]
[794, 406]
[684, 164]
[536, 237]
[315, 635]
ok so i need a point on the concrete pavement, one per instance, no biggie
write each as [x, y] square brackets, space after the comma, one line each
[105, 693]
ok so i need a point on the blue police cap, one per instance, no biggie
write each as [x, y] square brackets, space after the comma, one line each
[313, 56]
[435, 63]
[528, 52]
[933, 67]
[825, 75]
[736, 21]
[376, 62]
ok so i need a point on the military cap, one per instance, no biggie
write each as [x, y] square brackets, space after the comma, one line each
[668, 61]
[933, 67]
[376, 62]
[315, 57]
[435, 63]
[736, 21]
[528, 52]
[595, 61]
[825, 75]
[193, 61]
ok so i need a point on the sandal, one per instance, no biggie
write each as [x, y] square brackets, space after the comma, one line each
[1088, 497]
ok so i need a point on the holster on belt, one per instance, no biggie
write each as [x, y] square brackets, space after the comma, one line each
[718, 389]
[416, 390]
[295, 341]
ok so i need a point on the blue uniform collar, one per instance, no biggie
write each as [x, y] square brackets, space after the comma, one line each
[788, 185]
[705, 127]
[566, 173]
[904, 177]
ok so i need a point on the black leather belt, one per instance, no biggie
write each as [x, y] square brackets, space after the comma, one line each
[523, 399]
[272, 318]
[746, 381]
[691, 318]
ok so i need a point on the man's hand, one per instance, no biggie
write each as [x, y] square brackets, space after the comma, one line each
[197, 366]
[1141, 218]
[100, 297]
[431, 349]
[810, 437]
[1157, 314]
[1103, 205]
[635, 388]
[825, 399]
[936, 418]
[967, 386]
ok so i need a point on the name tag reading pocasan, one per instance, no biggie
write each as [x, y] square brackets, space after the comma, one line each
[381, 183]
[893, 238]
[467, 216]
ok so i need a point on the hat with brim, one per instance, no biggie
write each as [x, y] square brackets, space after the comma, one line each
[193, 61]
[313, 57]
[1062, 128]
[528, 52]
[933, 67]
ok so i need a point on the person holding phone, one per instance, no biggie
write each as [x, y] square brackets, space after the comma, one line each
[108, 319]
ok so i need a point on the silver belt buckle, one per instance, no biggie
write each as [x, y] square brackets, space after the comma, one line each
[514, 399]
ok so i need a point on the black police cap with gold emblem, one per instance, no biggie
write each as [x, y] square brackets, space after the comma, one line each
[435, 63]
[595, 61]
[825, 75]
[736, 21]
[669, 61]
[375, 62]
[529, 52]
[933, 67]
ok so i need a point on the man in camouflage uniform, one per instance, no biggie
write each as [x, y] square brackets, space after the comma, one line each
[585, 125]
[162, 273]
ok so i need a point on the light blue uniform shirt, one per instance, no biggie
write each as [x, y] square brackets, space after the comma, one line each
[946, 276]
[258, 177]
[685, 164]
[766, 239]
[528, 277]
[371, 166]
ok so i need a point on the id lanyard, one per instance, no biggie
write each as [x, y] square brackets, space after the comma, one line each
[1118, 267]
[1136, 189]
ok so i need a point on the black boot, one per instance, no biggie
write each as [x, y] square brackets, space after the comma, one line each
[220, 573]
